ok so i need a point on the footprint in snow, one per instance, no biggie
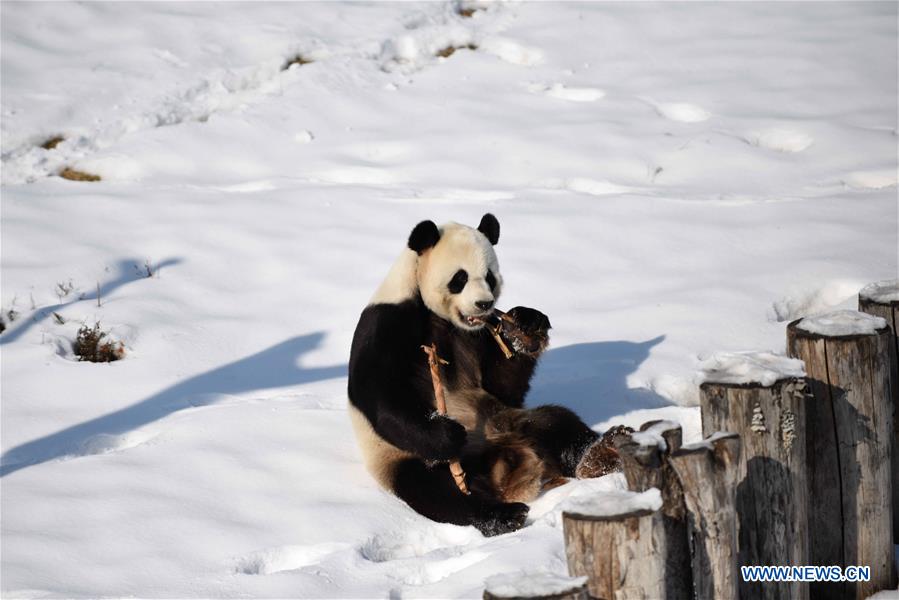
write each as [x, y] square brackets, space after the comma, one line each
[683, 112]
[871, 180]
[285, 558]
[781, 140]
[573, 94]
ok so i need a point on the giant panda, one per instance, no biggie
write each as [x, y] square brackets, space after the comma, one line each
[445, 281]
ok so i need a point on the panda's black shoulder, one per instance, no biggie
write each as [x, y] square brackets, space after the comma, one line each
[388, 336]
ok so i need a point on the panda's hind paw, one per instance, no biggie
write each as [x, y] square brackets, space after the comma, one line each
[503, 518]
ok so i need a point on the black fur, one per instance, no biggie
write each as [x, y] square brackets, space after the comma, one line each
[489, 226]
[390, 383]
[425, 235]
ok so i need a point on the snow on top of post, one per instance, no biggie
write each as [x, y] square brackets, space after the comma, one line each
[707, 442]
[522, 584]
[613, 503]
[653, 435]
[742, 368]
[881, 292]
[842, 322]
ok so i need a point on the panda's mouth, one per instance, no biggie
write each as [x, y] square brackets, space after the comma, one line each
[473, 320]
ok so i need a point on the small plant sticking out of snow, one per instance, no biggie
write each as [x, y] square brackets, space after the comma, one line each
[467, 13]
[64, 288]
[74, 175]
[298, 60]
[89, 345]
[8, 316]
[52, 142]
[450, 50]
[758, 419]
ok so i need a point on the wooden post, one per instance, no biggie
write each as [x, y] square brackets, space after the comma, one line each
[881, 299]
[772, 519]
[849, 441]
[535, 586]
[621, 553]
[645, 465]
[708, 474]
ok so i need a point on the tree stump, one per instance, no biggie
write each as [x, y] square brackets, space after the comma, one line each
[762, 397]
[881, 299]
[644, 461]
[619, 547]
[708, 474]
[848, 446]
[535, 586]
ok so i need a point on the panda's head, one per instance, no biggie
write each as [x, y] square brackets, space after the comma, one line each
[457, 273]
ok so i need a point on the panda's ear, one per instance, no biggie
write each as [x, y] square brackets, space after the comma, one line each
[490, 227]
[424, 236]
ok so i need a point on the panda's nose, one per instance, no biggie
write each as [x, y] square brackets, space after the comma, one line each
[484, 304]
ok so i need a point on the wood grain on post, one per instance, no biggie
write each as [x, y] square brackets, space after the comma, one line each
[848, 444]
[772, 503]
[708, 473]
[645, 466]
[622, 555]
[881, 299]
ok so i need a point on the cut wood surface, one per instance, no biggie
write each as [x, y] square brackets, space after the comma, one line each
[849, 439]
[646, 466]
[772, 500]
[889, 311]
[708, 473]
[623, 556]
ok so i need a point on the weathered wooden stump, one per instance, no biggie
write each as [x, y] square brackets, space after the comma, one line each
[708, 473]
[881, 299]
[848, 446]
[644, 461]
[617, 540]
[762, 397]
[535, 586]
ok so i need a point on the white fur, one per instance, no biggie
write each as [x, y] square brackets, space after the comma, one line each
[401, 283]
[459, 247]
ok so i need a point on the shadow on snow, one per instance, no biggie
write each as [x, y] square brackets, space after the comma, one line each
[274, 367]
[591, 379]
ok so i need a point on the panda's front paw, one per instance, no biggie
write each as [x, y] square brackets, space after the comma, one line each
[502, 518]
[530, 320]
[448, 437]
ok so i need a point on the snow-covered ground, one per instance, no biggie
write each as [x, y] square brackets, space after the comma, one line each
[672, 180]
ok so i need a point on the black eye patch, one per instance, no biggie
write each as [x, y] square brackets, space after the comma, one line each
[457, 283]
[491, 280]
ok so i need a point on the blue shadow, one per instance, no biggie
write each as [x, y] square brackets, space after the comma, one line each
[591, 379]
[274, 367]
[127, 270]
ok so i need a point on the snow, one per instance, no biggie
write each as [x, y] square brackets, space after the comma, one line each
[652, 436]
[523, 584]
[842, 322]
[614, 503]
[742, 368]
[217, 459]
[882, 292]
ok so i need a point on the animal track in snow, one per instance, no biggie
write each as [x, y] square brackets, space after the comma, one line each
[285, 558]
[454, 196]
[583, 185]
[105, 443]
[871, 180]
[512, 52]
[781, 140]
[573, 94]
[410, 542]
[683, 112]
